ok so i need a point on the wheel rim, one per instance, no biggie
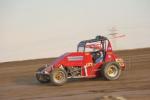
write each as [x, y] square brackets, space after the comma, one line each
[112, 71]
[59, 76]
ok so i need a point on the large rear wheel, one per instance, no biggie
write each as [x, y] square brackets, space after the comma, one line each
[111, 71]
[58, 76]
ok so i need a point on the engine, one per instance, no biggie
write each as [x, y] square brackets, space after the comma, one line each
[74, 71]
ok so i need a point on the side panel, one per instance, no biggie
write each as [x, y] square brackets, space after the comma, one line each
[96, 68]
[110, 57]
[88, 65]
[73, 59]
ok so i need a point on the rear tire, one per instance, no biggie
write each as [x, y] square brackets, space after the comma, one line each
[111, 71]
[42, 78]
[58, 77]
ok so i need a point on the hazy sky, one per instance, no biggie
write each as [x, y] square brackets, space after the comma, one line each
[47, 28]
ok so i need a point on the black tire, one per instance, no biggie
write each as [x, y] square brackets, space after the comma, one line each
[111, 71]
[58, 77]
[42, 78]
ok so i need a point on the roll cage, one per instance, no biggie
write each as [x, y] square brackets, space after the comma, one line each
[99, 43]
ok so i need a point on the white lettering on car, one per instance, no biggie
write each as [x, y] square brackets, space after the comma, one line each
[75, 58]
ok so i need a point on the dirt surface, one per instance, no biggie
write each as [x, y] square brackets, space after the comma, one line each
[17, 81]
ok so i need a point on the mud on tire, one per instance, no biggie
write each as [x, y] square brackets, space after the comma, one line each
[41, 77]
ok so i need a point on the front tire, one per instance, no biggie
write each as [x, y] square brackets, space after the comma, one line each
[42, 78]
[111, 71]
[58, 77]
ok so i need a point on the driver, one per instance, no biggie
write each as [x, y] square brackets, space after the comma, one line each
[100, 57]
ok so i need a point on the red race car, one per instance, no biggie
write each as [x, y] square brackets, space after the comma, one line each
[94, 58]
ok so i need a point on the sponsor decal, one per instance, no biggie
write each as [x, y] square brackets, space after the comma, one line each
[75, 58]
[109, 48]
[87, 54]
[109, 53]
[89, 64]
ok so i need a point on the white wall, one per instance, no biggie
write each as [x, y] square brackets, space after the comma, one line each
[32, 29]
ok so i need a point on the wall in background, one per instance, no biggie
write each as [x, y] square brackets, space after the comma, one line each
[32, 29]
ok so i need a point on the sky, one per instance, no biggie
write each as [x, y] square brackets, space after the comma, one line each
[31, 29]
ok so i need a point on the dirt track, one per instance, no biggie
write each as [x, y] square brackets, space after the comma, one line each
[17, 81]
